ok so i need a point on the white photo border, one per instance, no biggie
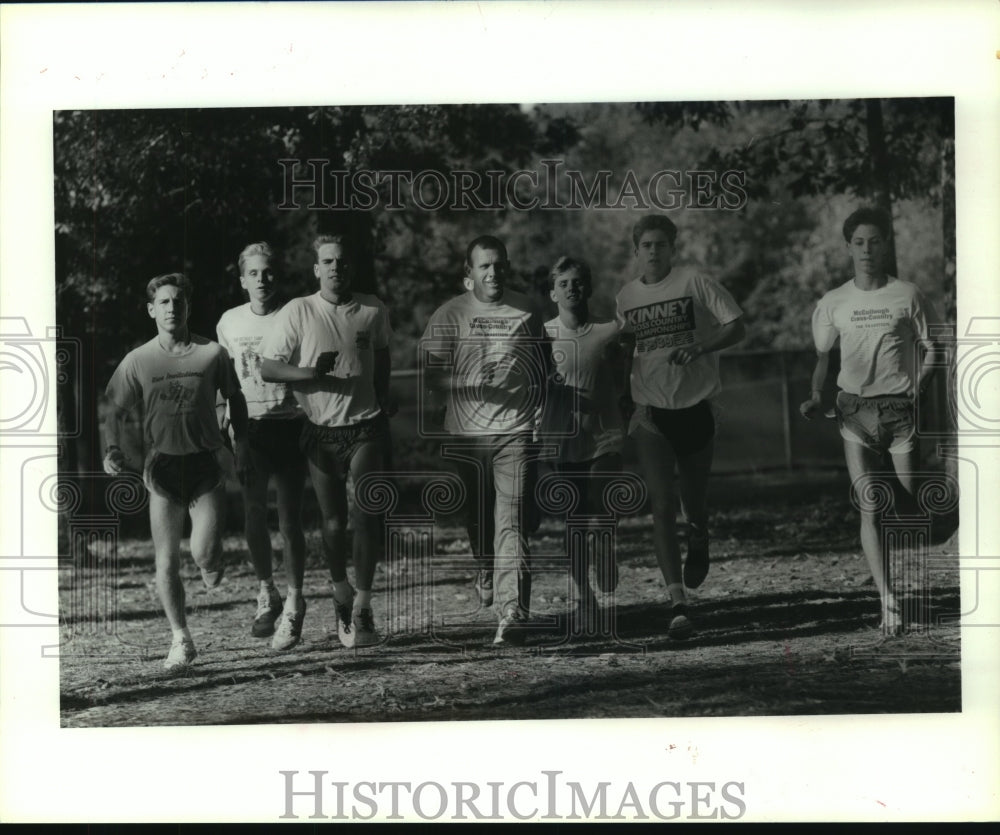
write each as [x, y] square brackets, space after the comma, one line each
[896, 767]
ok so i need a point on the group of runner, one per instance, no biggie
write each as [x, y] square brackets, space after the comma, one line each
[306, 385]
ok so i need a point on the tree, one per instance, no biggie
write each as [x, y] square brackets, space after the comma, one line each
[139, 193]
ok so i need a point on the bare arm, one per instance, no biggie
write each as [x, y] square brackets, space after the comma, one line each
[930, 362]
[279, 371]
[436, 383]
[115, 461]
[729, 334]
[808, 408]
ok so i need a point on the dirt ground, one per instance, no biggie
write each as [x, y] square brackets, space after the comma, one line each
[786, 624]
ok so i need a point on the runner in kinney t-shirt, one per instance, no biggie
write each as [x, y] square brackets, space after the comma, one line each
[673, 322]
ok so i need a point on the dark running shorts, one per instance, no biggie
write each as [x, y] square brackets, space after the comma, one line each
[183, 478]
[590, 479]
[274, 444]
[688, 430]
[331, 448]
[883, 424]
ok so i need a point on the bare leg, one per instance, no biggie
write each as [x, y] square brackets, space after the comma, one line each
[166, 521]
[331, 495]
[290, 486]
[693, 483]
[694, 470]
[255, 522]
[368, 532]
[906, 464]
[208, 516]
[657, 460]
[861, 464]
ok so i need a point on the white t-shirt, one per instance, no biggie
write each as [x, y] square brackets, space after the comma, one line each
[178, 393]
[583, 395]
[685, 308]
[496, 355]
[307, 327]
[878, 331]
[241, 332]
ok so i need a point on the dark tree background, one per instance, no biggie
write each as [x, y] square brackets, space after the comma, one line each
[142, 192]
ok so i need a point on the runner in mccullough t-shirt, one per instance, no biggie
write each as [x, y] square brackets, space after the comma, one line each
[886, 359]
[673, 322]
[273, 434]
[485, 359]
[176, 376]
[332, 349]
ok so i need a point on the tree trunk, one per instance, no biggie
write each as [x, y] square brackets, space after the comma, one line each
[948, 210]
[949, 299]
[879, 158]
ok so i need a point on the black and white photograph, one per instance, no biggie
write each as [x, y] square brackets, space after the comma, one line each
[384, 420]
[542, 405]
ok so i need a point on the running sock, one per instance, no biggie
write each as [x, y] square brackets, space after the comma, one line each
[342, 591]
[363, 600]
[267, 585]
[677, 593]
[293, 599]
[182, 634]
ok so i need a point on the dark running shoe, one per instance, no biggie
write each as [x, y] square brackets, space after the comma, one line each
[510, 631]
[364, 628]
[696, 564]
[268, 610]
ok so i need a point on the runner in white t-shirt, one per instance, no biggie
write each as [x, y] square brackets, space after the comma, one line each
[273, 434]
[882, 325]
[332, 349]
[175, 377]
[485, 358]
[582, 417]
[673, 322]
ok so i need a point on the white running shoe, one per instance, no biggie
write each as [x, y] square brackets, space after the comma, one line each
[181, 654]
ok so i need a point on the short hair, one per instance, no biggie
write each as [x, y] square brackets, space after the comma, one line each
[169, 280]
[654, 223]
[567, 264]
[867, 217]
[261, 248]
[323, 240]
[485, 242]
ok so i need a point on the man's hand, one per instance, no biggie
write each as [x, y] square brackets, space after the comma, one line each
[115, 462]
[809, 408]
[325, 363]
[682, 356]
